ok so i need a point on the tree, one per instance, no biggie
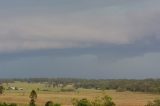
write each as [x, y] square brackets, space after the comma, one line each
[1, 89]
[33, 96]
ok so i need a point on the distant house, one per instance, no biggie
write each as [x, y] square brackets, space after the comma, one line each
[60, 85]
[12, 88]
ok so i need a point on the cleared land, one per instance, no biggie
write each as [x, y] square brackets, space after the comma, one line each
[54, 94]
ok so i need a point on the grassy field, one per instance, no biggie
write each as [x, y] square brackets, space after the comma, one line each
[54, 94]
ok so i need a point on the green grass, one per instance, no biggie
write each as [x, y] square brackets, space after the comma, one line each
[29, 86]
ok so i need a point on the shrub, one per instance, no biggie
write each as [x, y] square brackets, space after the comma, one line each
[50, 103]
[154, 103]
[13, 104]
[4, 104]
[82, 102]
[56, 104]
[103, 101]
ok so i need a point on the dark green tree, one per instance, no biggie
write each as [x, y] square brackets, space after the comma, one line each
[33, 97]
[1, 89]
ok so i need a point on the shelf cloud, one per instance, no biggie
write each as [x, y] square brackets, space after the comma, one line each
[100, 36]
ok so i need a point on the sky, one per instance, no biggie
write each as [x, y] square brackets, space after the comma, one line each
[102, 39]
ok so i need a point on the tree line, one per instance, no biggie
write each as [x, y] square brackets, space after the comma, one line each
[144, 85]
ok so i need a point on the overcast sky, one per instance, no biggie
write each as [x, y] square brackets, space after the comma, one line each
[80, 38]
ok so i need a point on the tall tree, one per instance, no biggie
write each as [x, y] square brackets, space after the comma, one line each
[1, 89]
[33, 96]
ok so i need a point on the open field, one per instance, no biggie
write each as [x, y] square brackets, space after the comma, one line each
[120, 98]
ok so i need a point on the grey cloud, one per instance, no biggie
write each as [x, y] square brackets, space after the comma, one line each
[104, 53]
[91, 39]
[119, 24]
[144, 66]
[83, 66]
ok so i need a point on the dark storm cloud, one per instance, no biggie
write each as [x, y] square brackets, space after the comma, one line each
[79, 38]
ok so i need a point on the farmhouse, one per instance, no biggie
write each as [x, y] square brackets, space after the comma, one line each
[12, 88]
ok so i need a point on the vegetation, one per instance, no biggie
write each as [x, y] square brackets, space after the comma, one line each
[4, 104]
[156, 102]
[1, 89]
[53, 89]
[82, 102]
[146, 85]
[103, 101]
[33, 96]
[50, 103]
